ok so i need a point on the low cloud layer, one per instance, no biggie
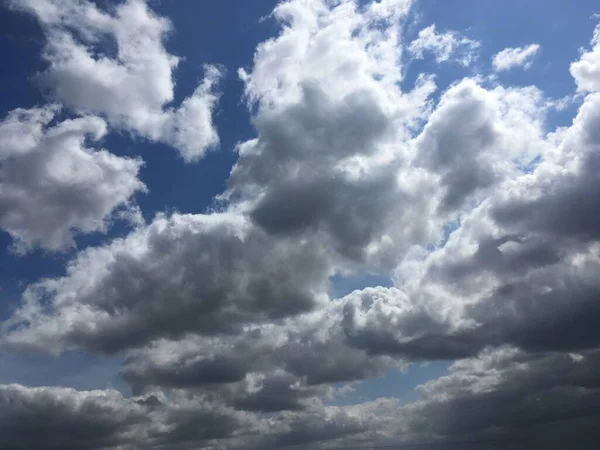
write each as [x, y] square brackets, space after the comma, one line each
[484, 218]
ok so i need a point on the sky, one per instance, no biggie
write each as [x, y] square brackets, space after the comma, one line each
[303, 224]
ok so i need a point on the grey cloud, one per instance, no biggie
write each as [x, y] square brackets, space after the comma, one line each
[276, 393]
[500, 398]
[312, 429]
[58, 418]
[329, 161]
[216, 370]
[293, 167]
[279, 367]
[512, 399]
[553, 308]
[566, 205]
[525, 254]
[61, 418]
[204, 274]
[295, 186]
[353, 213]
[383, 321]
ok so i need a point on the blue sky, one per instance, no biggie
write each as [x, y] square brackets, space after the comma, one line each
[389, 285]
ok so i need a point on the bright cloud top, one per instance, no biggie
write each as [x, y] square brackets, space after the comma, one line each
[484, 217]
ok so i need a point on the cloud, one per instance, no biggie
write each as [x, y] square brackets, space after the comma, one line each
[587, 68]
[53, 185]
[249, 262]
[114, 64]
[509, 58]
[507, 398]
[512, 399]
[485, 220]
[221, 274]
[444, 46]
[60, 418]
[285, 357]
[336, 148]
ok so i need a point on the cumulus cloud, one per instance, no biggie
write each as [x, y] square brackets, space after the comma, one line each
[587, 68]
[336, 148]
[114, 64]
[485, 218]
[53, 185]
[509, 58]
[517, 270]
[444, 46]
[477, 138]
[205, 274]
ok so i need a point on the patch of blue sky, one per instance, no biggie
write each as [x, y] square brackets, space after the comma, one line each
[343, 285]
[396, 383]
[77, 370]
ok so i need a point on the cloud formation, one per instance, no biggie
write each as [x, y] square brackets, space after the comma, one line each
[485, 219]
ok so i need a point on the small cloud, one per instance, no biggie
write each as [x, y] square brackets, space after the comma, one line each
[444, 46]
[510, 58]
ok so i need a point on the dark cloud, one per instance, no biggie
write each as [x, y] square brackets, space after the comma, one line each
[554, 308]
[294, 179]
[565, 205]
[203, 274]
[56, 418]
[513, 399]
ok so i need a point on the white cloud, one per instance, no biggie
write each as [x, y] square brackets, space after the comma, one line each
[52, 185]
[509, 58]
[444, 46]
[134, 87]
[586, 70]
